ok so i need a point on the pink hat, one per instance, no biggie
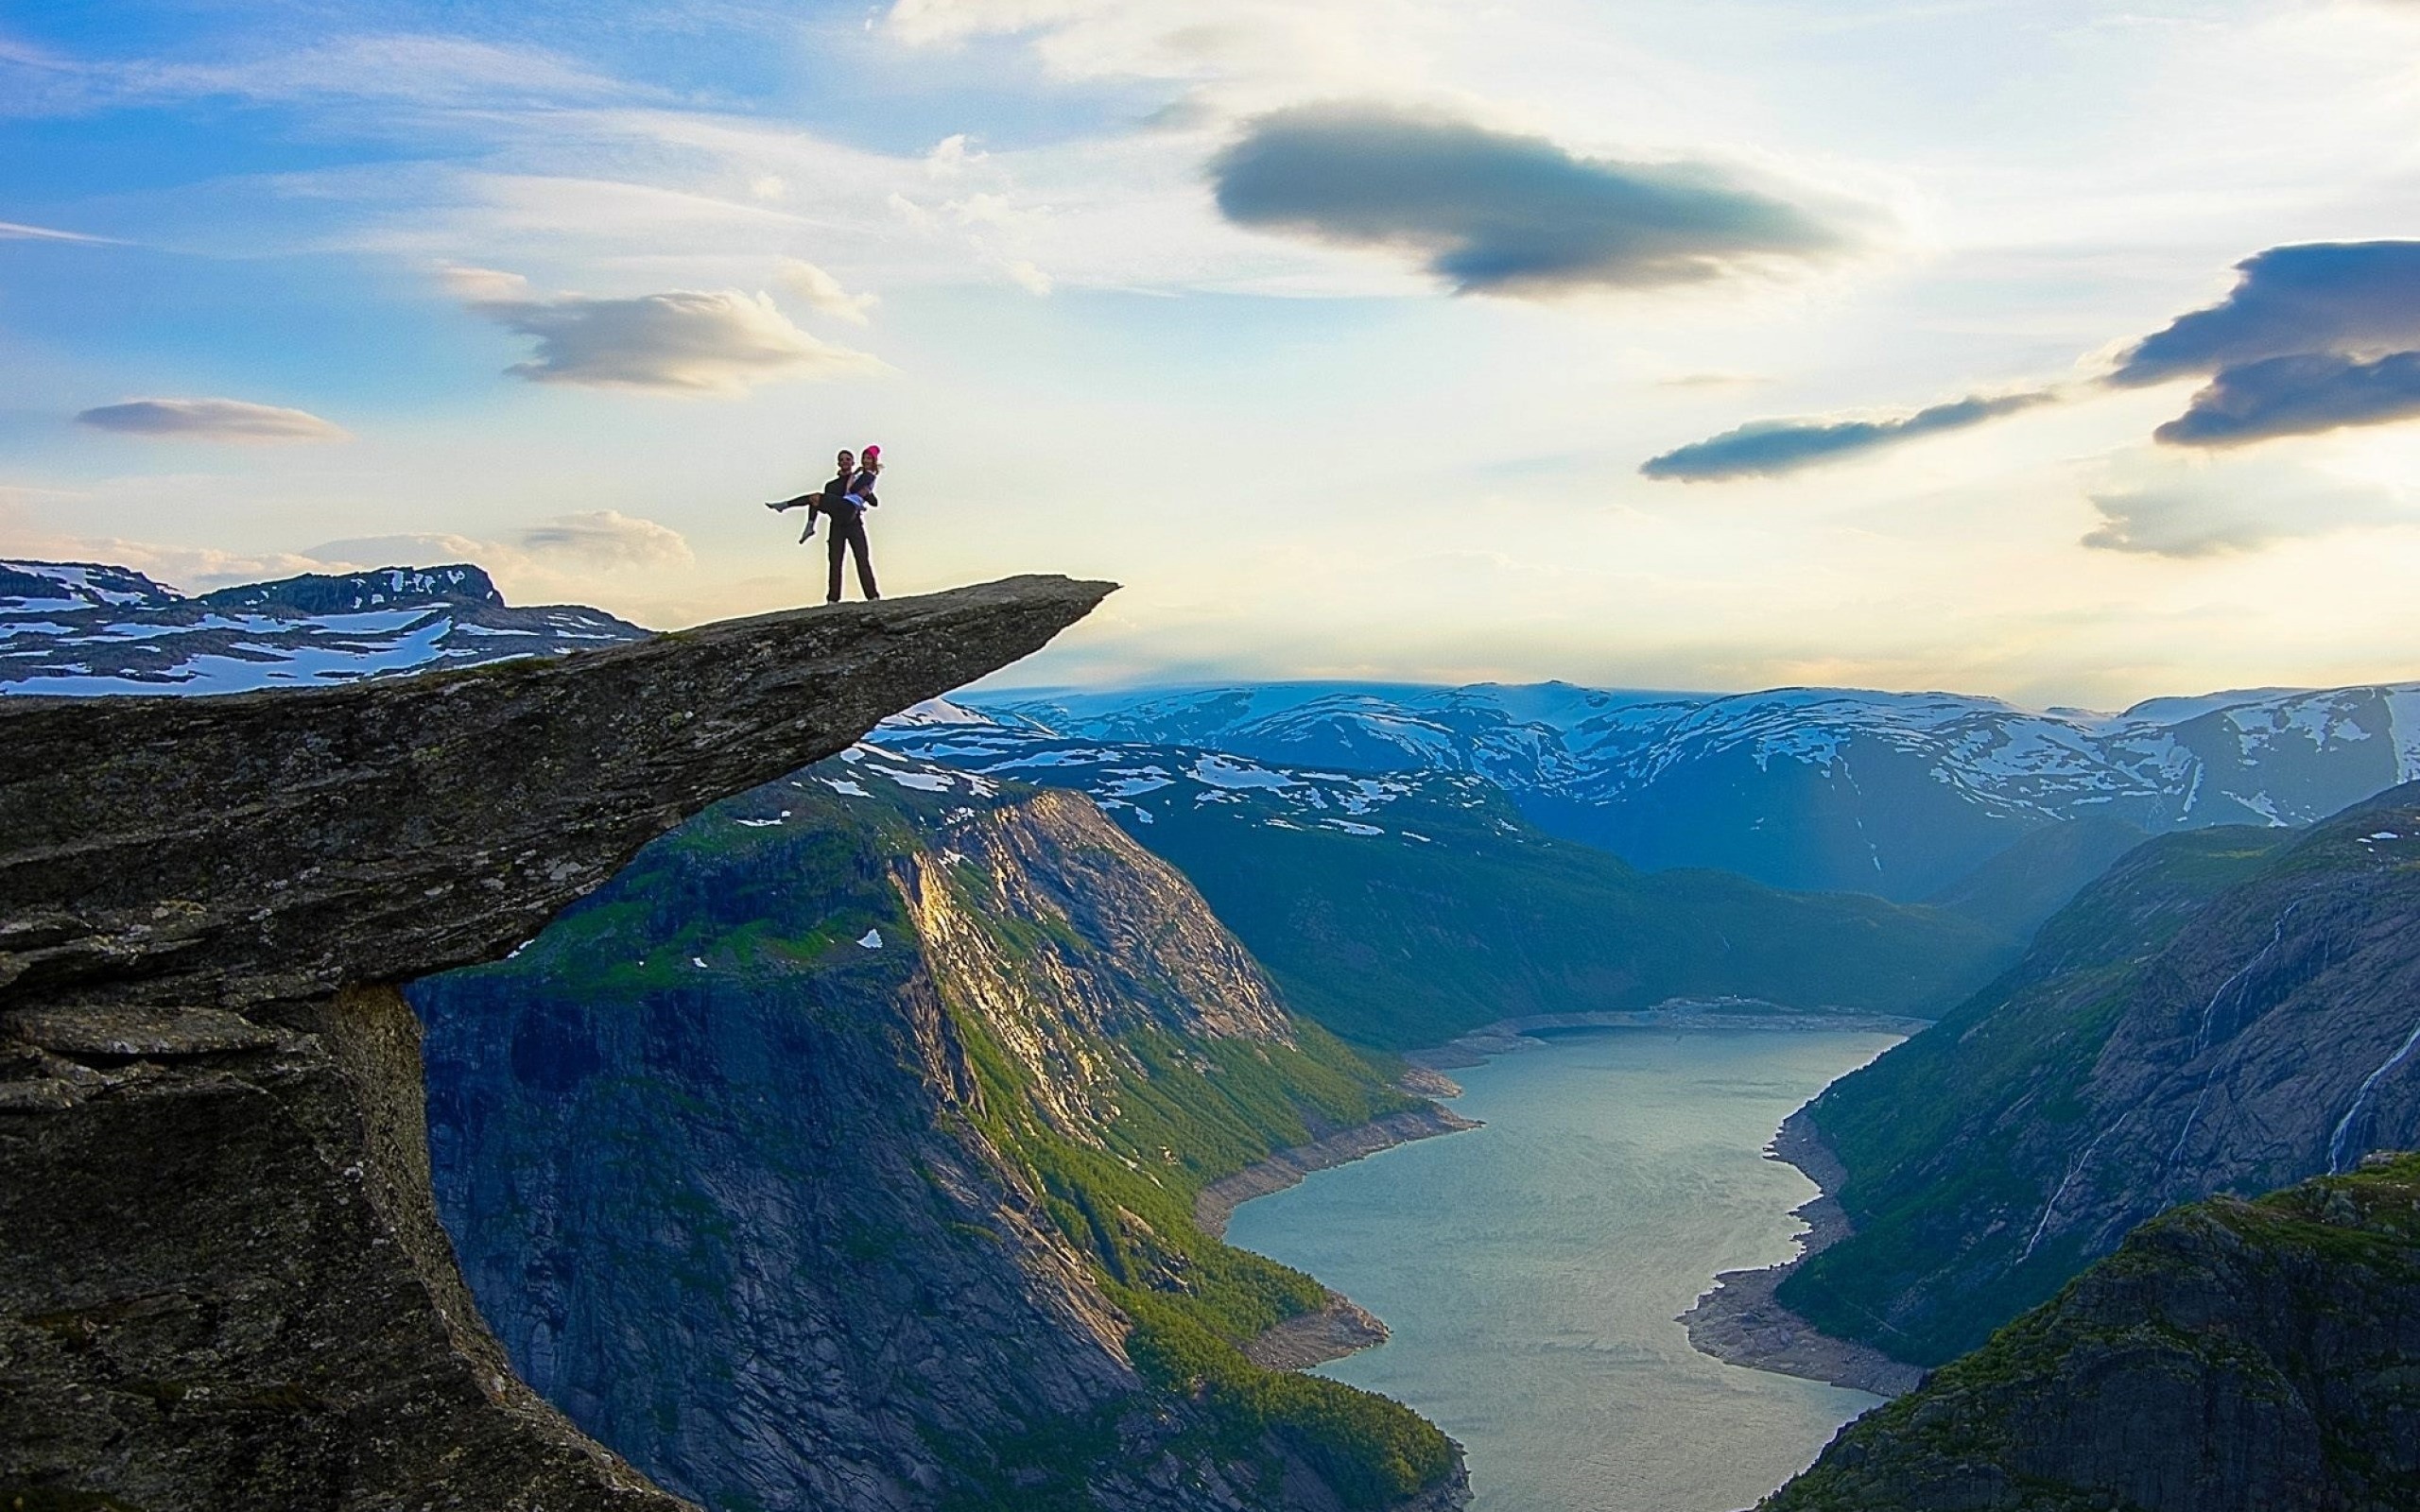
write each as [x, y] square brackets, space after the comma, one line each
[871, 451]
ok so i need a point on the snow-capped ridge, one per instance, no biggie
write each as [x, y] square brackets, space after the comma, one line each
[82, 630]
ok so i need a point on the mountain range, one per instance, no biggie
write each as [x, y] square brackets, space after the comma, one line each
[2231, 1356]
[1903, 794]
[80, 628]
[1828, 789]
[1404, 908]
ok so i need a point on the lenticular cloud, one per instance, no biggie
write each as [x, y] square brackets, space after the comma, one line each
[1493, 212]
[211, 419]
[1767, 447]
[718, 341]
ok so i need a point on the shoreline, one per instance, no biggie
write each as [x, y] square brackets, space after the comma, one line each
[1737, 1321]
[1507, 1036]
[1740, 1321]
[1341, 1325]
[1218, 1201]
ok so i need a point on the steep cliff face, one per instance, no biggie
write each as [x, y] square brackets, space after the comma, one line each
[831, 1154]
[2231, 1356]
[222, 1283]
[2227, 1011]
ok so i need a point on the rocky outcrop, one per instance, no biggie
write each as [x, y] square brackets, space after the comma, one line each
[2231, 1356]
[828, 1155]
[263, 848]
[222, 1283]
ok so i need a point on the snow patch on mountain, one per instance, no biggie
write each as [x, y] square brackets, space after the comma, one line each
[78, 629]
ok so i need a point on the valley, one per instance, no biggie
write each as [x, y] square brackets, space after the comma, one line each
[1531, 1270]
[926, 1129]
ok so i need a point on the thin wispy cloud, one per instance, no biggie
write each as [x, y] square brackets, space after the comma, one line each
[2214, 511]
[412, 69]
[1767, 448]
[14, 232]
[686, 340]
[606, 538]
[211, 419]
[1492, 211]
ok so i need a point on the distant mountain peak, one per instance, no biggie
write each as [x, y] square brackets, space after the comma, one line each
[81, 629]
[352, 592]
[31, 586]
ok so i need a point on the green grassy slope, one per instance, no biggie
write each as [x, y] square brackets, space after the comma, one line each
[1922, 1131]
[762, 901]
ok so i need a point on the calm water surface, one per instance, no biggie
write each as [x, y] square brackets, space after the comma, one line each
[1531, 1270]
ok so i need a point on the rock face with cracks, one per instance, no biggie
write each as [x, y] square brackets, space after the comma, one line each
[221, 1280]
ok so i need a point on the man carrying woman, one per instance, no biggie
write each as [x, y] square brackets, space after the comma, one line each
[844, 502]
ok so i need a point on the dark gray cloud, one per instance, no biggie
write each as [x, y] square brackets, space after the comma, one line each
[2311, 339]
[2297, 396]
[211, 419]
[2356, 299]
[1490, 211]
[1765, 447]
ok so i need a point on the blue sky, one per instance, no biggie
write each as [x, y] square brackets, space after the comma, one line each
[1340, 331]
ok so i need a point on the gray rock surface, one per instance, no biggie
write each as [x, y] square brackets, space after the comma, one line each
[276, 846]
[222, 1283]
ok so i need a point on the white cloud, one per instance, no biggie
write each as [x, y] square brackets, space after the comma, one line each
[2220, 508]
[607, 537]
[698, 341]
[1268, 46]
[951, 154]
[211, 419]
[188, 569]
[483, 285]
[823, 292]
[604, 538]
[408, 549]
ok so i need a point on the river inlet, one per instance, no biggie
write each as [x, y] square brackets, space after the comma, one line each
[1533, 1270]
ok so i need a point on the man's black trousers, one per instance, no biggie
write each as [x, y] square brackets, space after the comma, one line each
[849, 529]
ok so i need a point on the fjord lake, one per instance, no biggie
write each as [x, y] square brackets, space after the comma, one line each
[1532, 1271]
